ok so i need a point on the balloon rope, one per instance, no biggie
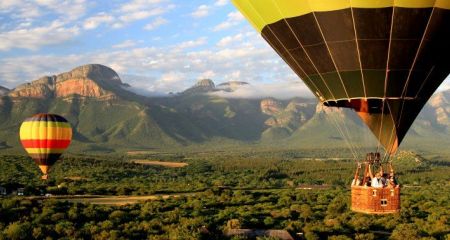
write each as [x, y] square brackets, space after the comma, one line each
[381, 126]
[341, 132]
[358, 51]
[386, 76]
[356, 144]
[331, 55]
[306, 53]
[301, 45]
[346, 137]
[347, 133]
[425, 81]
[413, 65]
[290, 55]
[387, 152]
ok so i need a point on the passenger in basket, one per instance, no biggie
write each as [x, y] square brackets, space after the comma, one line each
[375, 180]
[357, 179]
[391, 181]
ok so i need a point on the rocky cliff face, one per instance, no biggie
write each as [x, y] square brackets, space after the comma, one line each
[271, 106]
[87, 81]
[296, 113]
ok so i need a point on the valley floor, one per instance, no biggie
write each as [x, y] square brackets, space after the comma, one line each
[110, 197]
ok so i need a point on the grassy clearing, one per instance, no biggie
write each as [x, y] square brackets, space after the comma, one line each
[118, 200]
[142, 152]
[161, 163]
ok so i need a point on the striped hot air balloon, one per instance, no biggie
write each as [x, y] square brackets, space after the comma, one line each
[381, 58]
[45, 137]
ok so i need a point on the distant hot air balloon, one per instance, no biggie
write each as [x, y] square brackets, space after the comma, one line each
[382, 58]
[45, 137]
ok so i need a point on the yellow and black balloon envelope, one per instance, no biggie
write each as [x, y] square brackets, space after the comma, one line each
[381, 58]
[45, 137]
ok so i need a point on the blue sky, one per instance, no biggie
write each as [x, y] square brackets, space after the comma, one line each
[155, 45]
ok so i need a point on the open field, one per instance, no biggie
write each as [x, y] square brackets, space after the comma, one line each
[132, 153]
[119, 200]
[161, 163]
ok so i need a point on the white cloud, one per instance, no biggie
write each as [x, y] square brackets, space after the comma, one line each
[201, 11]
[228, 40]
[140, 10]
[157, 22]
[171, 68]
[169, 82]
[233, 19]
[68, 9]
[445, 85]
[210, 74]
[284, 90]
[125, 44]
[33, 38]
[141, 85]
[221, 3]
[138, 5]
[23, 9]
[95, 21]
[139, 15]
[190, 44]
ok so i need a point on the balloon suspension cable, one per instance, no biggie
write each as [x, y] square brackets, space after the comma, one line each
[355, 144]
[386, 78]
[358, 145]
[341, 132]
[388, 152]
[381, 125]
[405, 88]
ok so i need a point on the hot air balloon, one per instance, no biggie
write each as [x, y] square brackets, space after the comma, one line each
[45, 137]
[381, 58]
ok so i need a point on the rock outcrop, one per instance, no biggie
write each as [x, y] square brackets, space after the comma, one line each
[296, 113]
[271, 106]
[93, 80]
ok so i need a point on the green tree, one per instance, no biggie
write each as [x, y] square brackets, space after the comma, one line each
[17, 230]
[405, 231]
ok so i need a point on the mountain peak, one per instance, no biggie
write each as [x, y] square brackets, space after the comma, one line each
[93, 71]
[3, 91]
[91, 80]
[206, 83]
[202, 86]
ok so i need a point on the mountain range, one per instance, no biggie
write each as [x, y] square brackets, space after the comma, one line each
[107, 115]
